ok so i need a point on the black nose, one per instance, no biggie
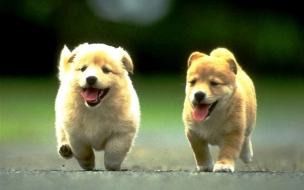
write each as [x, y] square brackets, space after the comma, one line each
[199, 96]
[91, 80]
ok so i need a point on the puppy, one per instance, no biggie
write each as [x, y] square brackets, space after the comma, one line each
[96, 106]
[219, 109]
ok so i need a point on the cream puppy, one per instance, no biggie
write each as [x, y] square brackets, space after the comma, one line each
[96, 106]
[219, 109]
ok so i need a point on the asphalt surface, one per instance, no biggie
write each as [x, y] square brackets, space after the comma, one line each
[157, 161]
[150, 180]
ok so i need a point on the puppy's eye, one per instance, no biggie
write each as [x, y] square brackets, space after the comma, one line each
[83, 68]
[105, 70]
[192, 82]
[213, 83]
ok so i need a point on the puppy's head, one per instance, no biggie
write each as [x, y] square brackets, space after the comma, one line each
[210, 81]
[96, 71]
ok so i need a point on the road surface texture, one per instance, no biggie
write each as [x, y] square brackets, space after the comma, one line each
[157, 161]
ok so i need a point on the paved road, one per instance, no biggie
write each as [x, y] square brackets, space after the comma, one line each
[150, 180]
[157, 161]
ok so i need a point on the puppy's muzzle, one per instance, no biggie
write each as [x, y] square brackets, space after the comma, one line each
[93, 95]
[91, 80]
[199, 96]
[202, 109]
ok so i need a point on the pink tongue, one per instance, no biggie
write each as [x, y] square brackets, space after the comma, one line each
[90, 94]
[200, 111]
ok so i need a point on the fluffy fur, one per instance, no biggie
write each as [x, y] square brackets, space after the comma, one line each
[96, 106]
[219, 109]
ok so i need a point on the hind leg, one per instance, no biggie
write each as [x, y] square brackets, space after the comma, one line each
[247, 152]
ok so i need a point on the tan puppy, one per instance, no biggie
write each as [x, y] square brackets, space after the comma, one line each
[219, 109]
[96, 107]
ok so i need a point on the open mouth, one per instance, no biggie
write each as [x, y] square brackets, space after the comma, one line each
[93, 96]
[202, 111]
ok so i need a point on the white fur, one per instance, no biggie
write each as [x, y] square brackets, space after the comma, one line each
[111, 125]
[223, 168]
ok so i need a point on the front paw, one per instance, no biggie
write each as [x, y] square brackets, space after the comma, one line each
[220, 167]
[65, 151]
[204, 168]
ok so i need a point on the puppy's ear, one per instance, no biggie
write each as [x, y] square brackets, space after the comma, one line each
[195, 55]
[65, 54]
[226, 55]
[64, 65]
[232, 64]
[126, 60]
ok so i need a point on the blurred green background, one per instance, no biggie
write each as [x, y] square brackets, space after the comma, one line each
[159, 35]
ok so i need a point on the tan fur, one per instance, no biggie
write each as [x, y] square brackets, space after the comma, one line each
[112, 124]
[219, 78]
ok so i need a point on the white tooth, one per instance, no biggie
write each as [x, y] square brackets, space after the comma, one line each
[101, 93]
